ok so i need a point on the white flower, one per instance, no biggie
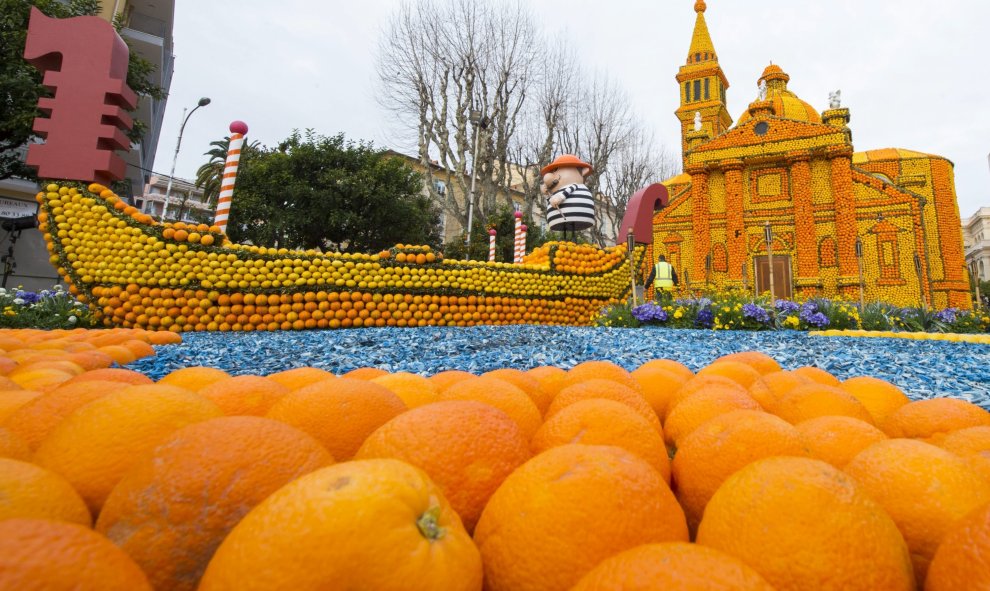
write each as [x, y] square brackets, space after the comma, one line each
[72, 319]
[19, 301]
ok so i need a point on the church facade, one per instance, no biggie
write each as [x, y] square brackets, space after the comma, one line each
[782, 193]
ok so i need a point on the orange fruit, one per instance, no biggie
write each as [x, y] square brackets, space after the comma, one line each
[244, 395]
[551, 378]
[98, 443]
[674, 565]
[194, 378]
[443, 379]
[90, 360]
[599, 421]
[339, 413]
[502, 395]
[599, 370]
[803, 524]
[467, 448]
[609, 390]
[43, 554]
[9, 384]
[818, 400]
[35, 419]
[562, 512]
[139, 348]
[922, 487]
[12, 446]
[720, 447]
[927, 418]
[837, 439]
[699, 383]
[761, 362]
[527, 383]
[737, 371]
[120, 354]
[658, 386]
[113, 374]
[12, 400]
[40, 378]
[669, 365]
[413, 389]
[299, 377]
[30, 491]
[171, 511]
[965, 442]
[816, 374]
[880, 397]
[365, 373]
[701, 407]
[367, 524]
[770, 387]
[961, 561]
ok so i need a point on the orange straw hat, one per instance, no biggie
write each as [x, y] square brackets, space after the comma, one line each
[566, 160]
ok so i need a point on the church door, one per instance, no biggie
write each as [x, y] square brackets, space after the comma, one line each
[781, 275]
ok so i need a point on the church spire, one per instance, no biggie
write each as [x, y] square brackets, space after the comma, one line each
[702, 48]
[702, 86]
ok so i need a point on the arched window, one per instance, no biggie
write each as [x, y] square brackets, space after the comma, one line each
[687, 91]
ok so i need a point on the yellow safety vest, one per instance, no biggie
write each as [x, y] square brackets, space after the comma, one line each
[664, 277]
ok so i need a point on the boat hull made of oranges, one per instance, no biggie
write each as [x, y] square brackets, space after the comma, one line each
[136, 272]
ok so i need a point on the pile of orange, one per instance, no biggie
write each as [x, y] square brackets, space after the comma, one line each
[741, 476]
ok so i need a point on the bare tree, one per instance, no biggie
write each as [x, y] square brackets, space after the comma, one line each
[441, 62]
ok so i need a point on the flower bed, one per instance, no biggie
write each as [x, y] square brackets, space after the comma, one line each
[739, 310]
[48, 309]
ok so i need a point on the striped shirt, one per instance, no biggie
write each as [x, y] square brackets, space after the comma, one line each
[577, 212]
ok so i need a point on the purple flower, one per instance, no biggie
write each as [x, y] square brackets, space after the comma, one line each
[30, 298]
[756, 313]
[811, 316]
[948, 316]
[705, 318]
[649, 313]
[785, 307]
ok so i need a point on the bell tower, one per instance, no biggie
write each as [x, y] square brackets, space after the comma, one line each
[702, 85]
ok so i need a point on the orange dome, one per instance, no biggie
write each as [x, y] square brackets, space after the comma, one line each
[786, 104]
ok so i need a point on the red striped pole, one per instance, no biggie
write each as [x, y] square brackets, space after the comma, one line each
[516, 259]
[237, 131]
[491, 245]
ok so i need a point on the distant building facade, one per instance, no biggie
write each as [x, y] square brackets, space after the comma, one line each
[186, 202]
[976, 240]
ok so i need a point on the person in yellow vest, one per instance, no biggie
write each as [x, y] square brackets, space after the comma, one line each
[664, 278]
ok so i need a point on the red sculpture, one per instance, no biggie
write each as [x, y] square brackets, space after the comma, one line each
[84, 63]
[639, 213]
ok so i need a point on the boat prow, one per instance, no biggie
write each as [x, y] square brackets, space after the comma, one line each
[136, 272]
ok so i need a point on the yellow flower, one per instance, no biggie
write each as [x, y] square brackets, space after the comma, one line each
[679, 313]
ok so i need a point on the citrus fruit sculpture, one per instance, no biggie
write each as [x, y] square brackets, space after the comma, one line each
[136, 272]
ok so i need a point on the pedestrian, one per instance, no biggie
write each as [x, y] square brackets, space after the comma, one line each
[664, 279]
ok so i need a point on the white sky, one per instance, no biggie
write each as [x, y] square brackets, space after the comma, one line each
[914, 73]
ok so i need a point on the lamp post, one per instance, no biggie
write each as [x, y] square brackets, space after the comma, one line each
[479, 121]
[168, 188]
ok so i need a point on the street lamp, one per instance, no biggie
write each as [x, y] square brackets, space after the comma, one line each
[479, 121]
[168, 188]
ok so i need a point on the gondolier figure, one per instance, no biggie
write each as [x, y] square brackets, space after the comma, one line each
[570, 206]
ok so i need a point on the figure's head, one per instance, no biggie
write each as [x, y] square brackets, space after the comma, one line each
[661, 258]
[565, 170]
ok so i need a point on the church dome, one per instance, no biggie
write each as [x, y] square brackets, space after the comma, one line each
[786, 104]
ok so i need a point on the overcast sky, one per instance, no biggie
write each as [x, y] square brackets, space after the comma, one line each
[914, 73]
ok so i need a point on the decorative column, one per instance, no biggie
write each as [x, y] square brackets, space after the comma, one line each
[701, 224]
[806, 238]
[734, 222]
[845, 223]
[237, 131]
[491, 245]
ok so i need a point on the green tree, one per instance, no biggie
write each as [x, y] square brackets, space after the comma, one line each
[20, 82]
[503, 221]
[323, 192]
[209, 176]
